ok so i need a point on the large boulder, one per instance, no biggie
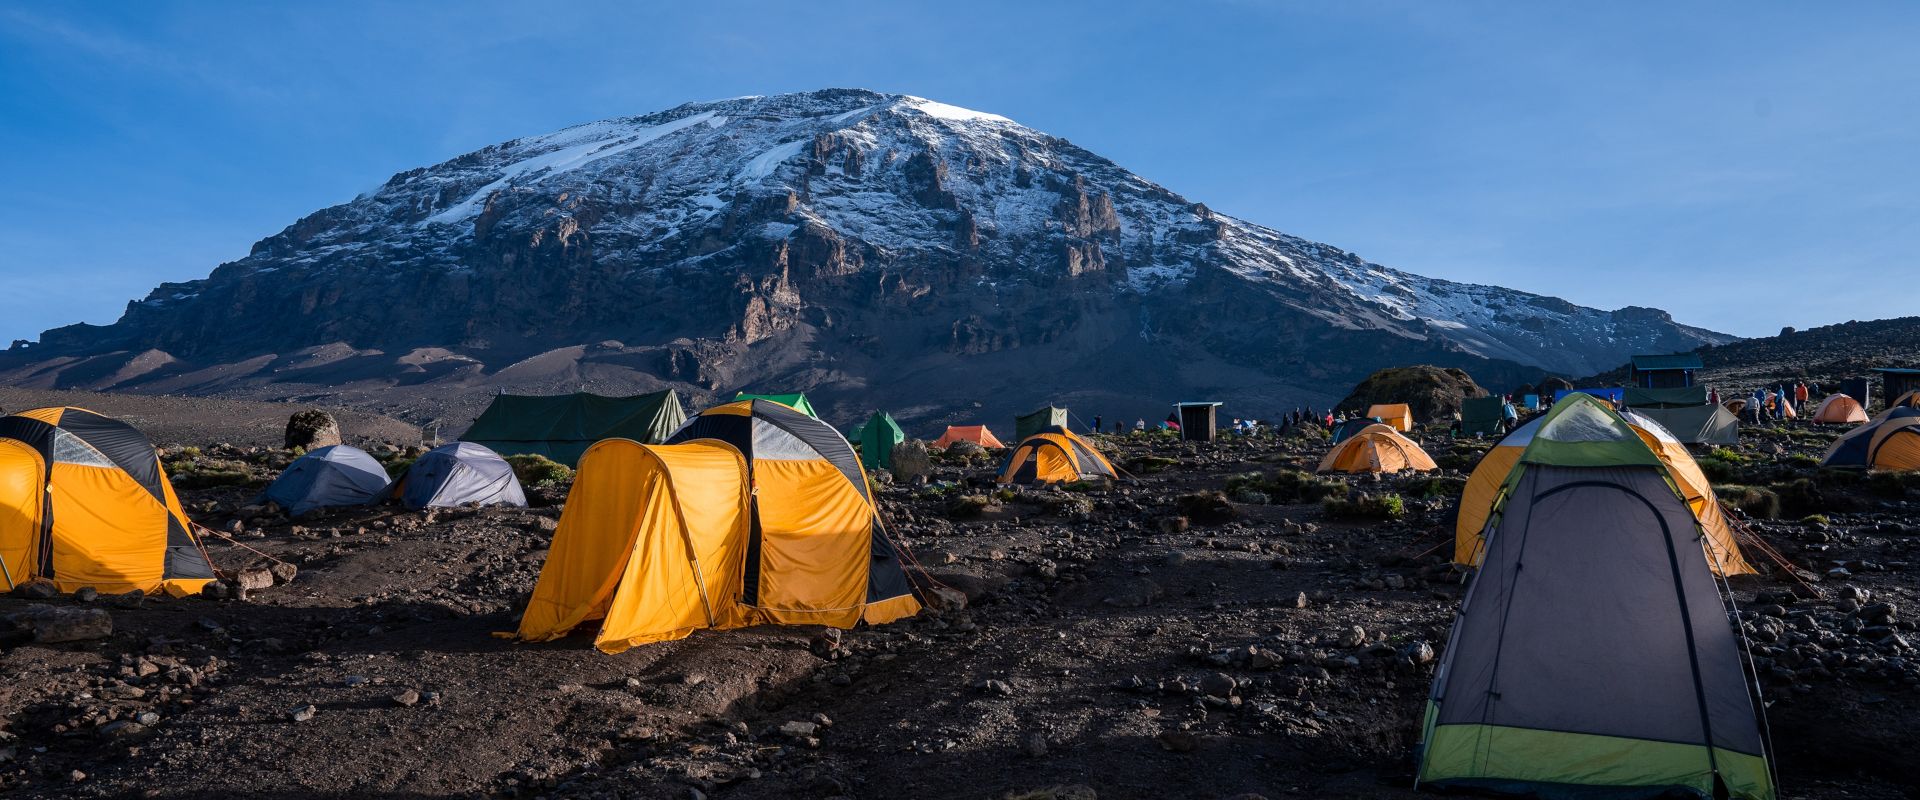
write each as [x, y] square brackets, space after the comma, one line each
[312, 429]
[910, 460]
[1435, 393]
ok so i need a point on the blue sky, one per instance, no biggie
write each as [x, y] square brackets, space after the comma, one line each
[1743, 165]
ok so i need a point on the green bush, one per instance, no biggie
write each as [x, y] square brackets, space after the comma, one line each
[1148, 465]
[1815, 519]
[968, 506]
[1801, 497]
[1366, 506]
[537, 470]
[1758, 502]
[1431, 487]
[1719, 468]
[398, 467]
[211, 477]
[1286, 486]
[1892, 485]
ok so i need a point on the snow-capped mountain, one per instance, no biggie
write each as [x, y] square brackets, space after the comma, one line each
[840, 241]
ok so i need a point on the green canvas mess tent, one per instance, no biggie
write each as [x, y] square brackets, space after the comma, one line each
[794, 400]
[562, 427]
[1608, 666]
[877, 437]
[1027, 425]
[1685, 412]
[1483, 416]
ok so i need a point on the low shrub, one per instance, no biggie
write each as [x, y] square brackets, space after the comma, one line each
[1892, 485]
[1801, 497]
[398, 467]
[1286, 486]
[1366, 506]
[1758, 502]
[1148, 465]
[536, 471]
[1432, 487]
[968, 506]
[1815, 519]
[1206, 508]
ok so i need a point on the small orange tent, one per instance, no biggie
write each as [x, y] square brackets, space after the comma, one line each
[1398, 416]
[1377, 448]
[1840, 409]
[977, 434]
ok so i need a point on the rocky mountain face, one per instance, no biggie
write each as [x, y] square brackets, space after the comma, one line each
[1827, 353]
[872, 249]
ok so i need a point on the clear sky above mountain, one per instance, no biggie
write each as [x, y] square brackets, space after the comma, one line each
[1743, 165]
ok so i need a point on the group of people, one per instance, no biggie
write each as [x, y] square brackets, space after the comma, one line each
[1285, 424]
[1777, 402]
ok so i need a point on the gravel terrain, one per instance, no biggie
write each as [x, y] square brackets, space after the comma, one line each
[1188, 633]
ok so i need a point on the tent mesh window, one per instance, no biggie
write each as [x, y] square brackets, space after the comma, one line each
[1583, 424]
[69, 449]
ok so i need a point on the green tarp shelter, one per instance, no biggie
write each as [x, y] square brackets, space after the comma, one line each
[877, 437]
[794, 400]
[1482, 416]
[562, 427]
[1029, 424]
[1607, 667]
[1685, 412]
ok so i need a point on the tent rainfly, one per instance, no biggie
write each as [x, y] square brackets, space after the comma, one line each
[85, 502]
[1398, 416]
[459, 474]
[1839, 409]
[977, 434]
[1055, 455]
[1377, 448]
[794, 400]
[561, 427]
[1607, 666]
[754, 514]
[877, 438]
[1027, 425]
[1482, 416]
[328, 477]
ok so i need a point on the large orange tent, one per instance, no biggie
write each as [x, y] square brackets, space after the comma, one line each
[753, 513]
[1839, 409]
[1891, 443]
[1377, 448]
[1055, 455]
[84, 502]
[977, 434]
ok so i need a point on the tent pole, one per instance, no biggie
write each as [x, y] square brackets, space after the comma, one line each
[8, 573]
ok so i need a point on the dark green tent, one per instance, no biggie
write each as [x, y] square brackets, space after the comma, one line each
[1482, 416]
[794, 400]
[1607, 667]
[1685, 412]
[1029, 424]
[562, 427]
[877, 438]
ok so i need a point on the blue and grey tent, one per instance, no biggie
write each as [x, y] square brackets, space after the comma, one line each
[328, 477]
[459, 474]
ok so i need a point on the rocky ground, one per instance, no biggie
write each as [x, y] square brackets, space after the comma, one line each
[1212, 628]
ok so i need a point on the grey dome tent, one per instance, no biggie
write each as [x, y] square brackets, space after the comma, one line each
[1607, 667]
[562, 427]
[459, 474]
[337, 475]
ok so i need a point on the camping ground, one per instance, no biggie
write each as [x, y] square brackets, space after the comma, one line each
[1213, 625]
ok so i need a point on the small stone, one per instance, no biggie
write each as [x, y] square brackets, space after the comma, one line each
[1353, 637]
[302, 713]
[217, 590]
[827, 643]
[1034, 745]
[52, 624]
[283, 572]
[799, 730]
[1419, 653]
[1177, 741]
[994, 686]
[253, 579]
[85, 594]
[1300, 600]
[130, 599]
[38, 590]
[407, 698]
[1217, 684]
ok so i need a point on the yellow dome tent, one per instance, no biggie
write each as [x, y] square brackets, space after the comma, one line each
[1483, 488]
[752, 513]
[1055, 455]
[84, 502]
[1839, 409]
[1377, 448]
[1891, 442]
[1398, 416]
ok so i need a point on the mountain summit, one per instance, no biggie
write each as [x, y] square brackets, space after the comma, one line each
[880, 249]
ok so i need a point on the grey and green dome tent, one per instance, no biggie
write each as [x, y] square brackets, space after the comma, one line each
[1686, 412]
[1027, 425]
[562, 427]
[877, 438]
[794, 400]
[1608, 667]
[328, 477]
